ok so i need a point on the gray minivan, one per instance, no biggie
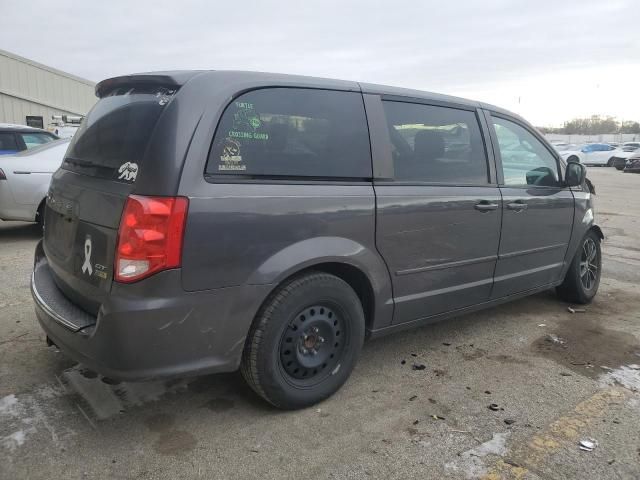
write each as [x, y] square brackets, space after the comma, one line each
[206, 221]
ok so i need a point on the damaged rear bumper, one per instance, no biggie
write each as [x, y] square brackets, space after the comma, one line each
[151, 329]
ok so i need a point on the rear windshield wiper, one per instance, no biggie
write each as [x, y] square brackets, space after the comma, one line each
[84, 163]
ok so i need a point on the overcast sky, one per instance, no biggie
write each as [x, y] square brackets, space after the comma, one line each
[549, 60]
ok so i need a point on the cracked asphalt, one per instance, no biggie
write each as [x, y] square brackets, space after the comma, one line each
[551, 378]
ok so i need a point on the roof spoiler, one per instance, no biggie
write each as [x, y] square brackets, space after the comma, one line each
[161, 79]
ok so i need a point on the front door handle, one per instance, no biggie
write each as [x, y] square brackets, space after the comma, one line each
[486, 206]
[518, 205]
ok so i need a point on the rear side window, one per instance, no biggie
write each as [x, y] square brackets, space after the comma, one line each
[436, 144]
[35, 139]
[292, 132]
[114, 135]
[8, 143]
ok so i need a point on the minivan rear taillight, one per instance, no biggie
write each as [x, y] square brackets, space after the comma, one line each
[150, 236]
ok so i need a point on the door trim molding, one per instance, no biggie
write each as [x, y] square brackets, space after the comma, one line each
[442, 266]
[523, 273]
[531, 250]
[441, 291]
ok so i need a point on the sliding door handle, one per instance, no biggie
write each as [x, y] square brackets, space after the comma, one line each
[486, 206]
[518, 205]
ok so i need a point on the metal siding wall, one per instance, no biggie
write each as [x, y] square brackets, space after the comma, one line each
[14, 110]
[27, 89]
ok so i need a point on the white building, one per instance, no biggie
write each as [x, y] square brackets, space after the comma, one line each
[30, 93]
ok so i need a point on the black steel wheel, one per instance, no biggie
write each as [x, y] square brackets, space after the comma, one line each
[313, 343]
[305, 341]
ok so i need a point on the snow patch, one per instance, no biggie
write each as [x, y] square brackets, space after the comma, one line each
[471, 464]
[26, 414]
[9, 405]
[627, 375]
[15, 440]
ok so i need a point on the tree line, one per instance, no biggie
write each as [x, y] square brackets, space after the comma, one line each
[594, 125]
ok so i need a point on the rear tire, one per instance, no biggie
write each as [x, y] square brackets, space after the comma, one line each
[610, 162]
[581, 282]
[304, 342]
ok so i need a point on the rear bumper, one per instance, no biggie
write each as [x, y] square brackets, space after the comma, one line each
[150, 329]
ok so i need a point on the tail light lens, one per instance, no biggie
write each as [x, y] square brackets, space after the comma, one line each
[150, 236]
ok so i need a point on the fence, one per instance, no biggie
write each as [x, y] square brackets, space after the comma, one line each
[603, 138]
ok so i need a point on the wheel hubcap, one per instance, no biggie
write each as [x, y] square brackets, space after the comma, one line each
[589, 264]
[312, 343]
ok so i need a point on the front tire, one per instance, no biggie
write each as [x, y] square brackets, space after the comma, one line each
[304, 342]
[581, 282]
[610, 162]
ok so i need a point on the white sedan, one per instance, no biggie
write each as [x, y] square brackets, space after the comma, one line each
[25, 178]
[600, 154]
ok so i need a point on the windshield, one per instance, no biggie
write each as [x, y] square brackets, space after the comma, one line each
[116, 131]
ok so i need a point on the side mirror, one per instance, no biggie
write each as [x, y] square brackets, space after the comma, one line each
[575, 174]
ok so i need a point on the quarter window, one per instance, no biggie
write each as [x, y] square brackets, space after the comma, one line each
[525, 160]
[292, 132]
[436, 144]
[34, 139]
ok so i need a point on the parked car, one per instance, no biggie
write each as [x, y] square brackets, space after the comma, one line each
[208, 221]
[596, 154]
[624, 153]
[16, 138]
[565, 147]
[65, 126]
[633, 164]
[24, 180]
[630, 146]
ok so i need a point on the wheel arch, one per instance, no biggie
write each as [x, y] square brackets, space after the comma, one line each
[40, 205]
[598, 231]
[360, 267]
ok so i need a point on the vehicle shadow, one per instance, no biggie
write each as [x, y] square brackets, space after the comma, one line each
[17, 231]
[220, 393]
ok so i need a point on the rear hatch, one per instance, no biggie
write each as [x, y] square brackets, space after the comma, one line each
[88, 193]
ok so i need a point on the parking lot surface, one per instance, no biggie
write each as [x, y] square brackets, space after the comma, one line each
[505, 393]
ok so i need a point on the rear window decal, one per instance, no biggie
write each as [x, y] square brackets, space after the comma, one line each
[246, 122]
[128, 171]
[231, 158]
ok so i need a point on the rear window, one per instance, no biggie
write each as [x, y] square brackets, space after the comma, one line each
[292, 132]
[113, 137]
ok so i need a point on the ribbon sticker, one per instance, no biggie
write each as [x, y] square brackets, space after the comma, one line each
[86, 266]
